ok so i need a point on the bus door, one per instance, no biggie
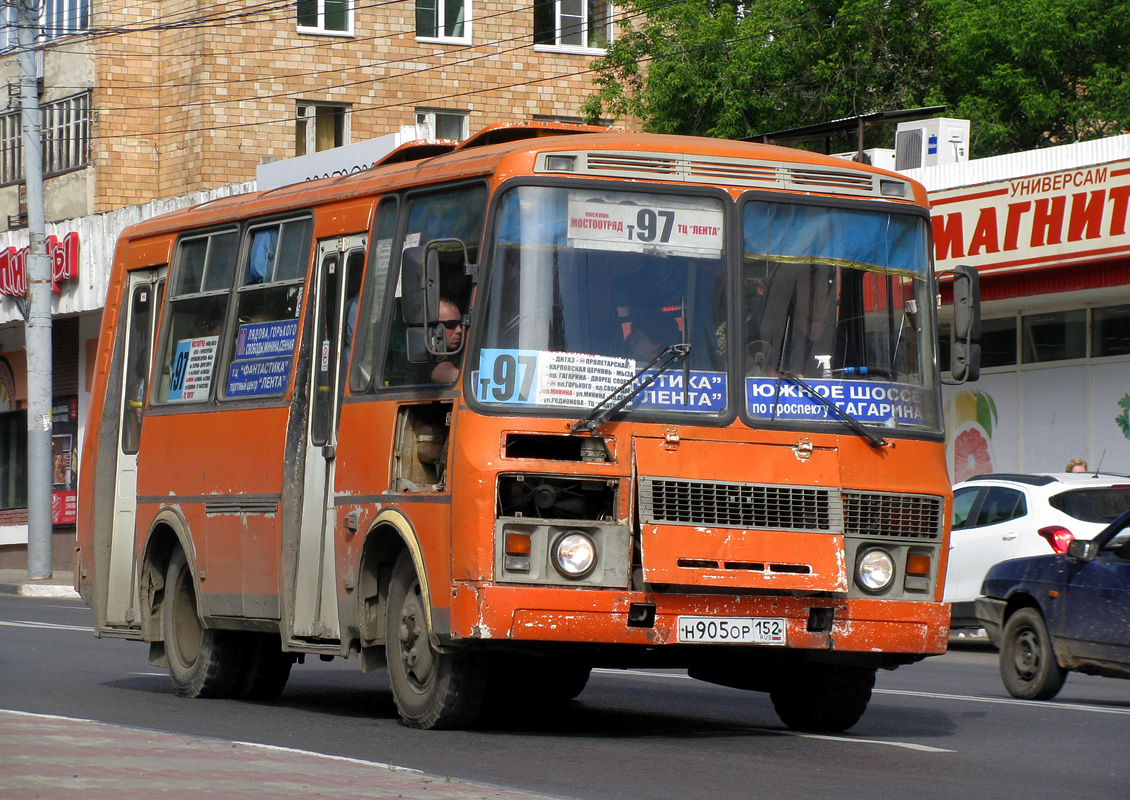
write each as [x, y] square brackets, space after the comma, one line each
[337, 284]
[143, 292]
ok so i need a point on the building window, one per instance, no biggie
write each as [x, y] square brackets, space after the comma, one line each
[66, 134]
[444, 124]
[576, 24]
[13, 460]
[1054, 336]
[57, 18]
[66, 139]
[998, 342]
[1110, 331]
[64, 17]
[325, 16]
[320, 127]
[443, 19]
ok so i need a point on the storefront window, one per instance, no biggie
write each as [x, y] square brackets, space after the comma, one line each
[1055, 336]
[1110, 331]
[13, 460]
[998, 342]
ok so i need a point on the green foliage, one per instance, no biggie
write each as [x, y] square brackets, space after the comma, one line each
[1027, 74]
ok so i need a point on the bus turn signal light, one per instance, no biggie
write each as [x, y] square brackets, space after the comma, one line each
[918, 564]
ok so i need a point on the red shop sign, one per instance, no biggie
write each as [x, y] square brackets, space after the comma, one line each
[64, 265]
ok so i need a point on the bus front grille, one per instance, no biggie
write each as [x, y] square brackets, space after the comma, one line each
[884, 515]
[738, 505]
[903, 516]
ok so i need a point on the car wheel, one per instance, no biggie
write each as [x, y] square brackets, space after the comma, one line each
[1027, 660]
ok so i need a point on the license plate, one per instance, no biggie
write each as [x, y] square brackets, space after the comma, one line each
[730, 630]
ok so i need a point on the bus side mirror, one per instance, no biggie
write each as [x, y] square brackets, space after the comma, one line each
[420, 285]
[965, 357]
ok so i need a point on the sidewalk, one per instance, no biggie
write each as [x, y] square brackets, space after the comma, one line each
[60, 758]
[15, 581]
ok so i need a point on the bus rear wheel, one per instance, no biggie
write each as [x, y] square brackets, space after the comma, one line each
[267, 667]
[823, 698]
[202, 662]
[431, 689]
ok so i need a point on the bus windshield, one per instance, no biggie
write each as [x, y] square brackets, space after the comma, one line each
[589, 285]
[839, 297]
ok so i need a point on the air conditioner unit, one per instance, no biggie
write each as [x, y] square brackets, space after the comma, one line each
[929, 142]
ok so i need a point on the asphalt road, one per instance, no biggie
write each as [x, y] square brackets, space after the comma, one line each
[944, 728]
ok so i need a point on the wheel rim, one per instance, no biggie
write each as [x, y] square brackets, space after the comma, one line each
[188, 633]
[416, 654]
[1026, 654]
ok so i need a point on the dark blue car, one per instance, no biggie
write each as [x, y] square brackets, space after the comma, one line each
[1053, 614]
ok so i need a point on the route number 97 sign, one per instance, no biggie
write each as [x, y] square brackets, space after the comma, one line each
[643, 222]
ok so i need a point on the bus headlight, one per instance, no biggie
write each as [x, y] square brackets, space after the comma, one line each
[574, 554]
[874, 570]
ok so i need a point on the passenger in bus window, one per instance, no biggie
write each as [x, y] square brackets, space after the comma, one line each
[451, 318]
[262, 261]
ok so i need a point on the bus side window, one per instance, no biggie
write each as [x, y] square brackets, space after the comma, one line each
[267, 305]
[457, 213]
[366, 327]
[197, 305]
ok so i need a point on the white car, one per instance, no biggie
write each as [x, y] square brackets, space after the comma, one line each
[1001, 516]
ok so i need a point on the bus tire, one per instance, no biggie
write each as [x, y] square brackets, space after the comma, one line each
[430, 689]
[823, 698]
[202, 662]
[267, 667]
[1028, 664]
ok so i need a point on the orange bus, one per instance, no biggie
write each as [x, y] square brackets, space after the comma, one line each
[490, 414]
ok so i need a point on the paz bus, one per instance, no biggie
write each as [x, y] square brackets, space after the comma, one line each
[491, 414]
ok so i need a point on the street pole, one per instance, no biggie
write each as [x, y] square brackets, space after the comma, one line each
[38, 337]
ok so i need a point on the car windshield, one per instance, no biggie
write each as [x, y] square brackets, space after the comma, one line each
[1099, 504]
[841, 297]
[587, 286]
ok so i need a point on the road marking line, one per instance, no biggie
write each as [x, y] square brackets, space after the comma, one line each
[276, 749]
[49, 625]
[1007, 701]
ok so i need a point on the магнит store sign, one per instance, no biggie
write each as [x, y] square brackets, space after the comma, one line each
[64, 265]
[1025, 223]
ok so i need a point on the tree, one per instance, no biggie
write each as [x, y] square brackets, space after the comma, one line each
[1027, 74]
[1030, 74]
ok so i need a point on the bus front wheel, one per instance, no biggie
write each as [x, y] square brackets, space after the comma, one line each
[431, 689]
[823, 698]
[202, 662]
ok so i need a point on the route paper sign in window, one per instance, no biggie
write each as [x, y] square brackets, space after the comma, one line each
[643, 222]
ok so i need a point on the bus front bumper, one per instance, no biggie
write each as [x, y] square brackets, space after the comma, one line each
[542, 614]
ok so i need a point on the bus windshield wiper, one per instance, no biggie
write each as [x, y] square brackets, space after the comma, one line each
[602, 410]
[872, 438]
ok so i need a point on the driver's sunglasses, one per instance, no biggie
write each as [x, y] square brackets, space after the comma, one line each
[451, 324]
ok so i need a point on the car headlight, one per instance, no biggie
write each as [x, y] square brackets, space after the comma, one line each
[574, 554]
[874, 570]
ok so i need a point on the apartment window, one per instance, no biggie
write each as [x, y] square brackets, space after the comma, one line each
[66, 134]
[57, 18]
[443, 19]
[66, 138]
[320, 127]
[584, 24]
[64, 17]
[444, 124]
[325, 16]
